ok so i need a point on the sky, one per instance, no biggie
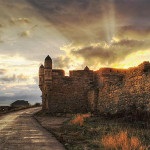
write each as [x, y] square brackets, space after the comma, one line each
[75, 33]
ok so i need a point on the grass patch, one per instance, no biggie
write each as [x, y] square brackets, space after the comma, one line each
[98, 133]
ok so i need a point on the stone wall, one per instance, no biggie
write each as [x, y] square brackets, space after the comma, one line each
[121, 91]
[69, 94]
[107, 90]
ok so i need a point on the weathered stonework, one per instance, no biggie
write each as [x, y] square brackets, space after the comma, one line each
[106, 90]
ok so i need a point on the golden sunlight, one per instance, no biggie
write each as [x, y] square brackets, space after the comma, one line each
[133, 59]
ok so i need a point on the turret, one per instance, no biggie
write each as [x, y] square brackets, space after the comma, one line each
[48, 72]
[48, 62]
[86, 68]
[41, 76]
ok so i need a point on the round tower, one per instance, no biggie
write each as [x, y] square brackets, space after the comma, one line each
[47, 82]
[41, 76]
[48, 71]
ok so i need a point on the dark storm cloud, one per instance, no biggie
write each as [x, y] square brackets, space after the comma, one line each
[61, 62]
[135, 11]
[73, 17]
[16, 8]
[116, 52]
[62, 12]
[134, 32]
[131, 44]
[99, 53]
[83, 21]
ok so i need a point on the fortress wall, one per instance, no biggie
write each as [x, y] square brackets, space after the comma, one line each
[69, 94]
[92, 97]
[108, 95]
[136, 89]
[107, 90]
[132, 89]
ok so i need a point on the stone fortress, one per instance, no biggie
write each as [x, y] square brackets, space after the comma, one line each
[107, 90]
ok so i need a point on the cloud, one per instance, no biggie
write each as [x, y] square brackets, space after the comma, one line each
[133, 12]
[8, 79]
[134, 33]
[80, 22]
[61, 62]
[26, 33]
[13, 78]
[103, 53]
[1, 41]
[20, 20]
[92, 54]
[29, 92]
[85, 20]
[22, 77]
[71, 19]
[2, 71]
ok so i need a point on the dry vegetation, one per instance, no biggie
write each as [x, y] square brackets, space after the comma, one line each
[86, 132]
[122, 141]
[79, 119]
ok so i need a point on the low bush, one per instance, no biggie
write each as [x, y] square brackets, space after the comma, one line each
[79, 119]
[122, 141]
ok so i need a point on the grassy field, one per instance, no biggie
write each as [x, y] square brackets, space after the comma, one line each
[83, 132]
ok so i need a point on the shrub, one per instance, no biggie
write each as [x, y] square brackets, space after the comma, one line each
[122, 141]
[79, 119]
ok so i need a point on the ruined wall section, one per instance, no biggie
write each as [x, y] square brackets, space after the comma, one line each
[136, 89]
[69, 94]
[110, 85]
[124, 88]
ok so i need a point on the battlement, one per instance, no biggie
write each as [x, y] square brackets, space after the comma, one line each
[111, 70]
[58, 73]
[81, 73]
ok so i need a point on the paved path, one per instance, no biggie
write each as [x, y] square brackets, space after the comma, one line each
[20, 131]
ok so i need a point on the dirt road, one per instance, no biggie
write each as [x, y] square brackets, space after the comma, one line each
[20, 131]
